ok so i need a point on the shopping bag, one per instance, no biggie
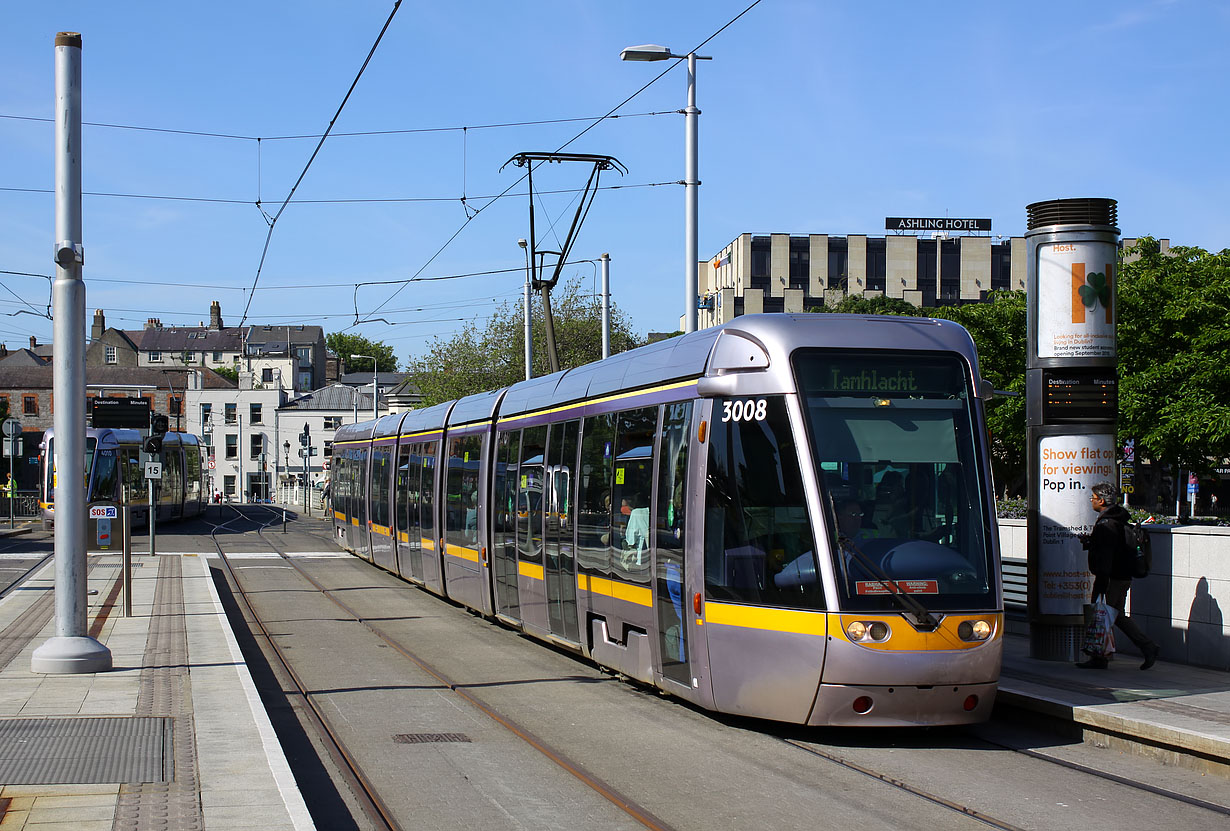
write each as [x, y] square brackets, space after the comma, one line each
[1099, 630]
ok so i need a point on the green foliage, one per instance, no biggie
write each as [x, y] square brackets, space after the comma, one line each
[1174, 354]
[493, 356]
[230, 373]
[344, 346]
[855, 304]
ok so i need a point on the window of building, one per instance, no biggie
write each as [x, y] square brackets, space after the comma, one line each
[255, 348]
[328, 451]
[207, 411]
[109, 356]
[229, 414]
[29, 405]
[155, 357]
[189, 357]
[877, 264]
[333, 422]
[950, 271]
[800, 262]
[254, 413]
[926, 270]
[1001, 266]
[232, 446]
[305, 380]
[761, 262]
[267, 375]
[838, 262]
[256, 445]
[304, 354]
[217, 357]
[228, 485]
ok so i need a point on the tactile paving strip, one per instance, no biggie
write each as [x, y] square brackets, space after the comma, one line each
[75, 751]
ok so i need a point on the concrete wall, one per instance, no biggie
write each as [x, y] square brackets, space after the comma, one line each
[1184, 604]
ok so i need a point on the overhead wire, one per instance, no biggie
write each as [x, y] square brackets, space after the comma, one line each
[595, 122]
[274, 221]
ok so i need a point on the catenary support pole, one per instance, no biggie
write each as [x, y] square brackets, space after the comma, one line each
[606, 305]
[71, 649]
[691, 188]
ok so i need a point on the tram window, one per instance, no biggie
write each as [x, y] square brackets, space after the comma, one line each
[759, 546]
[530, 492]
[105, 476]
[427, 514]
[461, 493]
[404, 491]
[894, 440]
[632, 489]
[672, 495]
[380, 486]
[594, 497]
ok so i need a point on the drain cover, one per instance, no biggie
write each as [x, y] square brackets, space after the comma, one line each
[425, 738]
[72, 751]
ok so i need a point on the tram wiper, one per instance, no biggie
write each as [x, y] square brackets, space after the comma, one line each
[923, 619]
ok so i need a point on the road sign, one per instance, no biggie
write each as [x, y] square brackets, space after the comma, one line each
[11, 428]
[104, 512]
[153, 470]
[211, 464]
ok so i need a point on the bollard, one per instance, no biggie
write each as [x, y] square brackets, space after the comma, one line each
[283, 520]
[127, 559]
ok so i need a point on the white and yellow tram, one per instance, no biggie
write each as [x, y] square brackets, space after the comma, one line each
[787, 517]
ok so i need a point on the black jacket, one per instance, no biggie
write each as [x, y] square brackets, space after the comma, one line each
[1109, 557]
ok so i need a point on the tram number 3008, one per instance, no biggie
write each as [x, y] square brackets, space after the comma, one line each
[748, 410]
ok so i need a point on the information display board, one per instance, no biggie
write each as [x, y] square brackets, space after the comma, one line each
[120, 413]
[1079, 394]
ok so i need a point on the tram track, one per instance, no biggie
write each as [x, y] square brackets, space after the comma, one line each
[625, 804]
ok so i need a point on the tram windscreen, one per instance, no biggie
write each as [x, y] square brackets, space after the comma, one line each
[49, 471]
[896, 449]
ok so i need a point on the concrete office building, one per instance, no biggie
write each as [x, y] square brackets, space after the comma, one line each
[793, 273]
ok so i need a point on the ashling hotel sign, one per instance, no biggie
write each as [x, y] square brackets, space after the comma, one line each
[936, 223]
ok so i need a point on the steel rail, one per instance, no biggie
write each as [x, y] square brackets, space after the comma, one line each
[628, 806]
[361, 786]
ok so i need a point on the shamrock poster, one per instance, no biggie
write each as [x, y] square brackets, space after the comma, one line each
[1076, 291]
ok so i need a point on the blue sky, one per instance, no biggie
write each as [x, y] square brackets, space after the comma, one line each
[818, 117]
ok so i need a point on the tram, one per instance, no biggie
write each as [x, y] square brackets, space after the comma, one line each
[788, 517]
[114, 472]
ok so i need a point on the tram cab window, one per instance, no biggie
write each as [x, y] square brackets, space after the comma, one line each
[894, 443]
[631, 491]
[106, 474]
[759, 546]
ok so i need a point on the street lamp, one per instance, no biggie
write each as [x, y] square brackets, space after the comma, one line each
[528, 348]
[691, 181]
[375, 387]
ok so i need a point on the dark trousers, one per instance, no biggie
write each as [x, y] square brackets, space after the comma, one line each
[1116, 596]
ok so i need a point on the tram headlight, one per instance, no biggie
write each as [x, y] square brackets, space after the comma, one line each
[974, 630]
[860, 631]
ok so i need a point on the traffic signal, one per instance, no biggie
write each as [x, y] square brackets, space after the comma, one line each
[305, 437]
[158, 426]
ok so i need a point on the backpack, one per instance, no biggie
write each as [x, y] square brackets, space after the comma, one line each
[1140, 548]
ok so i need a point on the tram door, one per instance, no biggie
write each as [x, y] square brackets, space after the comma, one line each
[560, 563]
[670, 569]
[409, 496]
[504, 525]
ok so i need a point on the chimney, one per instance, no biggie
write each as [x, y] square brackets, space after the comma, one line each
[100, 325]
[153, 323]
[33, 342]
[215, 316]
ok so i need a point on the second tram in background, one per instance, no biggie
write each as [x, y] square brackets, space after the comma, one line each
[114, 472]
[787, 517]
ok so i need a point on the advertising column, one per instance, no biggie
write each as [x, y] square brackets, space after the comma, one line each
[1071, 406]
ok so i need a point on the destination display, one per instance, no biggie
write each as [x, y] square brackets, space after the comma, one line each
[888, 378]
[1079, 394]
[119, 413]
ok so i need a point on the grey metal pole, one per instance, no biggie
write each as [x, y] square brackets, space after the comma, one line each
[606, 305]
[153, 516]
[529, 345]
[691, 187]
[127, 558]
[71, 650]
[375, 392]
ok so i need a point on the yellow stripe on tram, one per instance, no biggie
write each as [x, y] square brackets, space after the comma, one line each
[640, 595]
[773, 620]
[427, 545]
[462, 552]
[531, 570]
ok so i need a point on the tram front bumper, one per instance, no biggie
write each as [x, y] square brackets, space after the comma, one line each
[903, 705]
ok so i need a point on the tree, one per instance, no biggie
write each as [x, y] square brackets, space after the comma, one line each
[230, 373]
[344, 346]
[493, 356]
[1174, 354]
